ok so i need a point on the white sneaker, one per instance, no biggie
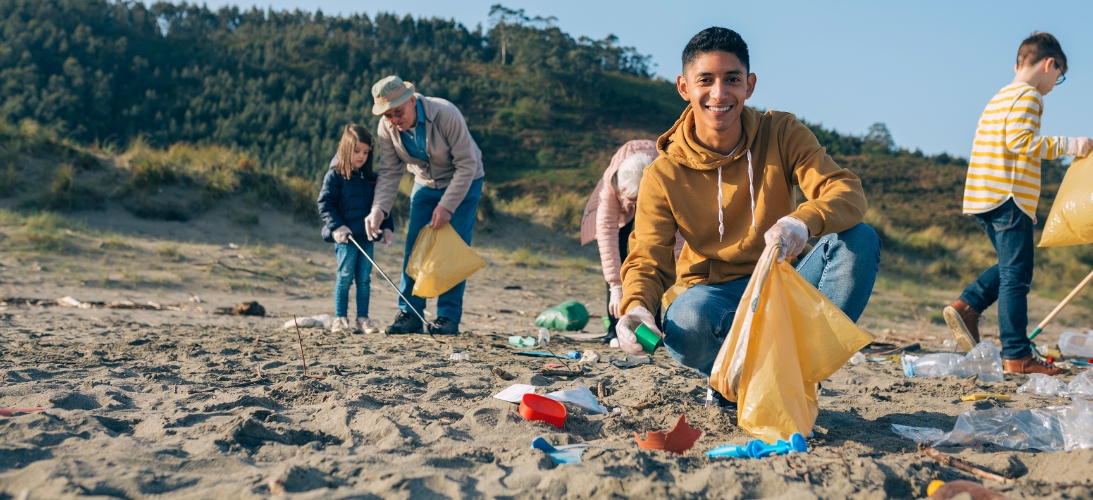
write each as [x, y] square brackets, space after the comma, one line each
[340, 325]
[367, 326]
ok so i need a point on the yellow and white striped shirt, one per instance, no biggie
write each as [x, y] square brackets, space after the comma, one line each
[1005, 161]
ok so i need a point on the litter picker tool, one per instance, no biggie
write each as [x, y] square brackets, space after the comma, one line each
[424, 321]
[1073, 293]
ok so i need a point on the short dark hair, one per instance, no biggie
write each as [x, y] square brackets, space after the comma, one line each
[716, 39]
[1039, 46]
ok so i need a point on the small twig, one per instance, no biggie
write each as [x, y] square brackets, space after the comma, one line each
[561, 373]
[303, 359]
[600, 390]
[845, 465]
[956, 463]
[245, 270]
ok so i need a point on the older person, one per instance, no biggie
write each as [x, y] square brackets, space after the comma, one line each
[609, 217]
[429, 137]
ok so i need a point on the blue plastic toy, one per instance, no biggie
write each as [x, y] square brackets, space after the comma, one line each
[758, 449]
[729, 450]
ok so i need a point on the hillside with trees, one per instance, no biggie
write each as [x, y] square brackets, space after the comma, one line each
[208, 102]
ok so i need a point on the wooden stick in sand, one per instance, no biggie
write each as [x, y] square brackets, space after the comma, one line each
[956, 463]
[1073, 293]
[303, 359]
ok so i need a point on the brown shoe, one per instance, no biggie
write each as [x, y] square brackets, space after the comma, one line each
[1032, 364]
[963, 321]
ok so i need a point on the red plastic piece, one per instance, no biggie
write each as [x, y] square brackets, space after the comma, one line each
[7, 412]
[542, 408]
[678, 440]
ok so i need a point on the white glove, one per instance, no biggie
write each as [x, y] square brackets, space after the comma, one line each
[341, 235]
[1079, 146]
[387, 236]
[615, 300]
[628, 324]
[372, 223]
[791, 233]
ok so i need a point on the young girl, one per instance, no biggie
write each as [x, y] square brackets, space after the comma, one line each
[346, 198]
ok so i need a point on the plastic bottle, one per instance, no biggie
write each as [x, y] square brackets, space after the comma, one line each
[857, 359]
[1076, 345]
[544, 337]
[937, 365]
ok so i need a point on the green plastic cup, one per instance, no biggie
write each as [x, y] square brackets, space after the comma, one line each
[606, 324]
[649, 341]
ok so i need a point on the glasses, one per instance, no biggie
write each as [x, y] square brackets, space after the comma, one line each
[1062, 78]
[395, 112]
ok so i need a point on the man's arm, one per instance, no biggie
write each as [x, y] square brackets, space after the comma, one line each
[390, 170]
[1023, 130]
[836, 201]
[649, 269]
[450, 122]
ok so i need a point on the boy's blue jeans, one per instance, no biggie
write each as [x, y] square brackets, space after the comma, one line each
[423, 200]
[1007, 282]
[352, 266]
[842, 266]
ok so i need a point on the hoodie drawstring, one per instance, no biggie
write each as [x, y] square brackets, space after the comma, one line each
[720, 198]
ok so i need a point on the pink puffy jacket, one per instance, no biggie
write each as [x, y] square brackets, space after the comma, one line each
[606, 212]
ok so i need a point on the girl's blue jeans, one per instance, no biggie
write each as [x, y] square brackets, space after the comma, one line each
[352, 266]
[842, 266]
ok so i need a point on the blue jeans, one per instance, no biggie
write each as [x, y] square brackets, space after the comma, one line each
[1007, 282]
[842, 266]
[352, 266]
[423, 200]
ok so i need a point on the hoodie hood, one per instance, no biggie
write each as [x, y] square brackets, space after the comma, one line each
[679, 144]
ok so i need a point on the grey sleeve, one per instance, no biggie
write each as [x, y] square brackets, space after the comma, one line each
[454, 127]
[389, 173]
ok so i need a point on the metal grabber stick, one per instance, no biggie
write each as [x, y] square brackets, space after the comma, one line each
[427, 323]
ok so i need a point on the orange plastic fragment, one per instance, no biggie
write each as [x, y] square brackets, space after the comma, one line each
[678, 440]
[7, 412]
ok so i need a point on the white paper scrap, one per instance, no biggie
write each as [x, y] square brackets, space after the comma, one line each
[515, 392]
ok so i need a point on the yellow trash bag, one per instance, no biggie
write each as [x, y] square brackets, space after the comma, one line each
[440, 260]
[785, 339]
[1070, 221]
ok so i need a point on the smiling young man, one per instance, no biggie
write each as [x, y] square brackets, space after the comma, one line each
[725, 180]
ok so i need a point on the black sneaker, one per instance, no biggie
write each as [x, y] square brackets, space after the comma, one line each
[444, 326]
[405, 323]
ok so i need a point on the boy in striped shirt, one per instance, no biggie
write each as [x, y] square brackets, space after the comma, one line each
[1002, 189]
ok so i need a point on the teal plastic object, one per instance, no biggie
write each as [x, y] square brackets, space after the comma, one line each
[606, 324]
[648, 339]
[568, 316]
[758, 449]
[729, 450]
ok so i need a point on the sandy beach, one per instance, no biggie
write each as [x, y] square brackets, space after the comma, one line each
[144, 403]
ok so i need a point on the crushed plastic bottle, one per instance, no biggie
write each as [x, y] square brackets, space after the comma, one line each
[1043, 385]
[1055, 428]
[949, 344]
[460, 356]
[983, 360]
[1076, 345]
[544, 337]
[1082, 385]
[857, 359]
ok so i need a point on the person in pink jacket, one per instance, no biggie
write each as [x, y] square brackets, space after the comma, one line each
[609, 216]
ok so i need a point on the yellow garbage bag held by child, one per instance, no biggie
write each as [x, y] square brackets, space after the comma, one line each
[1070, 221]
[785, 339]
[440, 260]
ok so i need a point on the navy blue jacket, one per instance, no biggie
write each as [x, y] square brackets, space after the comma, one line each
[346, 202]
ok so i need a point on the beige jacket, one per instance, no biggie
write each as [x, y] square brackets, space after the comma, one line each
[454, 159]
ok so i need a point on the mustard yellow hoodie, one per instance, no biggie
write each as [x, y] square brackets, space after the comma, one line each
[680, 191]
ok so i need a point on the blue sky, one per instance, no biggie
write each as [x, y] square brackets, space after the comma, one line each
[924, 68]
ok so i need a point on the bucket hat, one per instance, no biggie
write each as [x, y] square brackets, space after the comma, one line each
[390, 92]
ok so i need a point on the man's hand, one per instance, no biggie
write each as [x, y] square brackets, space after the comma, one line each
[628, 324]
[372, 223]
[791, 233]
[441, 216]
[615, 300]
[387, 237]
[341, 235]
[1079, 147]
